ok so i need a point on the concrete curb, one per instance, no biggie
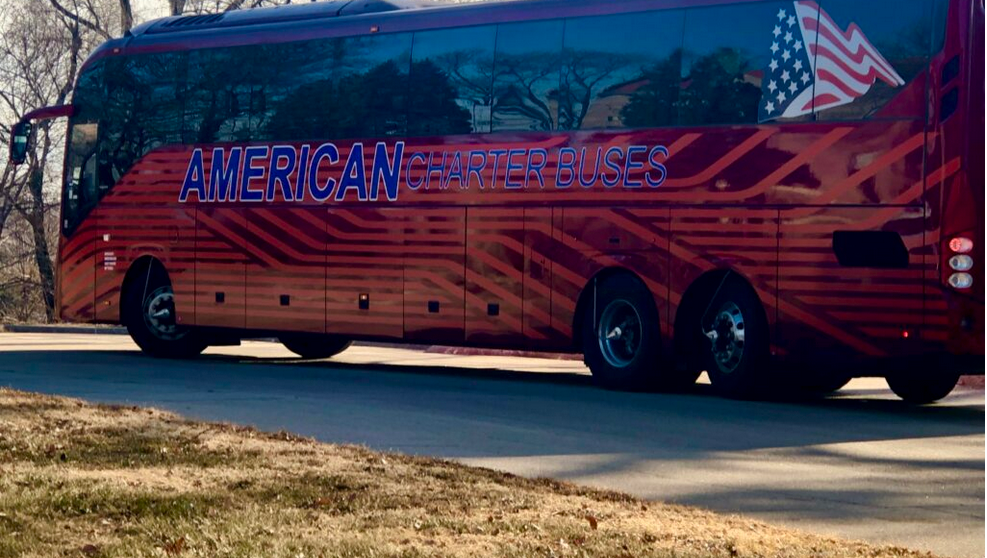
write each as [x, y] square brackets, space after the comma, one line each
[435, 349]
[55, 328]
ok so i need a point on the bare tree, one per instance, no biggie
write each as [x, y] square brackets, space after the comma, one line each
[41, 48]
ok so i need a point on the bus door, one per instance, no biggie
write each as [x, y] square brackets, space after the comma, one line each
[78, 249]
[78, 240]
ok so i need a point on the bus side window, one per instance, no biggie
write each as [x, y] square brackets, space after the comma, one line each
[621, 71]
[143, 110]
[904, 40]
[297, 103]
[217, 106]
[451, 82]
[726, 54]
[526, 76]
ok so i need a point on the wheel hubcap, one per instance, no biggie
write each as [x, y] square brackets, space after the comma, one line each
[159, 315]
[726, 336]
[620, 333]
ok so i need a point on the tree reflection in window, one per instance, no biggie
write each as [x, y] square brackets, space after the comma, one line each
[463, 60]
[526, 80]
[144, 99]
[340, 88]
[606, 61]
[724, 55]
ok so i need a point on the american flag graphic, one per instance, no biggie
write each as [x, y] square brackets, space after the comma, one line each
[815, 65]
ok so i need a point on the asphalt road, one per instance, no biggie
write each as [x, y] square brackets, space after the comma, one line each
[859, 465]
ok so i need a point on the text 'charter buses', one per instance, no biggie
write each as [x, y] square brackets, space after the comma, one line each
[780, 193]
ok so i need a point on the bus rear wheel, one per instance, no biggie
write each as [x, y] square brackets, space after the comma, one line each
[921, 388]
[314, 346]
[735, 346]
[150, 317]
[621, 338]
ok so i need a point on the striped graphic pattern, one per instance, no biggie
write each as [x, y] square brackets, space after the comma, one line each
[507, 267]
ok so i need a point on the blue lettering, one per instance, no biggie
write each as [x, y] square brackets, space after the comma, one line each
[222, 180]
[456, 171]
[354, 174]
[569, 166]
[387, 171]
[195, 178]
[411, 161]
[324, 151]
[657, 166]
[476, 169]
[630, 166]
[596, 169]
[536, 168]
[278, 174]
[610, 164]
[497, 154]
[434, 168]
[511, 167]
[302, 175]
[251, 172]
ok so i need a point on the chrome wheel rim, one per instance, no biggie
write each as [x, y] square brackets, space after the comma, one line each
[726, 336]
[159, 315]
[620, 333]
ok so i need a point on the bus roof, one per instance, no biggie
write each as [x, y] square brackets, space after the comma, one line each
[338, 18]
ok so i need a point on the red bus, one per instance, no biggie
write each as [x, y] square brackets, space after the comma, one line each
[775, 192]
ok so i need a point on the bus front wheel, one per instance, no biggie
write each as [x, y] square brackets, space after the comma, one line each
[921, 388]
[314, 346]
[621, 339]
[150, 318]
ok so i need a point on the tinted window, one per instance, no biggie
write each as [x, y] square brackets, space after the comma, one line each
[220, 84]
[726, 54]
[145, 98]
[81, 191]
[371, 84]
[526, 81]
[621, 71]
[901, 44]
[452, 81]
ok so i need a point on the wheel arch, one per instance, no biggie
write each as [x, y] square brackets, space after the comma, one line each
[141, 267]
[585, 300]
[701, 292]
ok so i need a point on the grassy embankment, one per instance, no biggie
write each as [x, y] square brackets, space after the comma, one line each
[88, 480]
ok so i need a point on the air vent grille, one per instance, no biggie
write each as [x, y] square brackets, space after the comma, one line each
[192, 21]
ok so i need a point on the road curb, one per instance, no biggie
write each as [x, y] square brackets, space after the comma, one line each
[54, 328]
[434, 349]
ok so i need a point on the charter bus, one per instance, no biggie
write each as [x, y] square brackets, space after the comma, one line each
[779, 193]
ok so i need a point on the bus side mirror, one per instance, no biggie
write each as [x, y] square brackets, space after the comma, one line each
[20, 141]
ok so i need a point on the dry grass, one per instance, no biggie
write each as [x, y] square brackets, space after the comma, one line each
[89, 481]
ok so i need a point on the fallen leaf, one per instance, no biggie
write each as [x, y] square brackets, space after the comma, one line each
[175, 547]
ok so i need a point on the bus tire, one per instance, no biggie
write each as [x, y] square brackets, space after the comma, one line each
[735, 347]
[921, 388]
[149, 315]
[621, 335]
[311, 346]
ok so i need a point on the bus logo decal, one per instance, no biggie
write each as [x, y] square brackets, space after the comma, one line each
[816, 66]
[326, 172]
